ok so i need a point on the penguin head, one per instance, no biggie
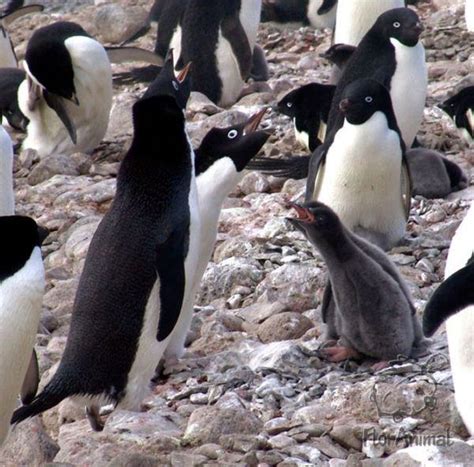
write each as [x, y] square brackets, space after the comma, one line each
[307, 100]
[167, 84]
[401, 24]
[10, 80]
[48, 61]
[19, 236]
[316, 220]
[238, 143]
[339, 54]
[362, 98]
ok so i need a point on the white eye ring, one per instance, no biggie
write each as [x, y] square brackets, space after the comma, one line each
[175, 85]
[396, 24]
[368, 99]
[289, 104]
[232, 134]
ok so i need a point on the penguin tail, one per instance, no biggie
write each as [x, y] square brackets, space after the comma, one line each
[295, 167]
[452, 296]
[51, 396]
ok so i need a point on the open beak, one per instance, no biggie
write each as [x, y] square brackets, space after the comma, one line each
[254, 121]
[304, 214]
[183, 73]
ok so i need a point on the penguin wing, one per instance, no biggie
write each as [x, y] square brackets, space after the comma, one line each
[327, 299]
[234, 32]
[406, 188]
[326, 7]
[453, 295]
[31, 381]
[315, 173]
[55, 102]
[456, 175]
[170, 258]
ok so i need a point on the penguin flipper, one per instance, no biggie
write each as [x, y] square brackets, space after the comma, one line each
[15, 13]
[57, 105]
[31, 381]
[295, 167]
[406, 189]
[234, 32]
[316, 164]
[456, 175]
[327, 297]
[170, 268]
[453, 295]
[326, 6]
[133, 54]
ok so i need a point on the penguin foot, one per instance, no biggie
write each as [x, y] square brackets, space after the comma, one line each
[380, 365]
[338, 353]
[96, 423]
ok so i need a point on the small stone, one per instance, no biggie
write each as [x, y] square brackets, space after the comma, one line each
[284, 326]
[184, 459]
[344, 435]
[254, 182]
[53, 165]
[115, 24]
[280, 441]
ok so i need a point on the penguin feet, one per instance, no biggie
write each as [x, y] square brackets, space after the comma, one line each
[380, 365]
[93, 415]
[337, 354]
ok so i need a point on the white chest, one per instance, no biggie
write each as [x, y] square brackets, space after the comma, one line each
[7, 197]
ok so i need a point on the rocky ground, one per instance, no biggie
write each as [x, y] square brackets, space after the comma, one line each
[253, 388]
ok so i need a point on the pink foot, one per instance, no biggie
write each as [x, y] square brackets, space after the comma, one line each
[338, 354]
[380, 365]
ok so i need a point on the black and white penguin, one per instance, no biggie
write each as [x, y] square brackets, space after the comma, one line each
[319, 14]
[392, 54]
[308, 106]
[10, 80]
[360, 172]
[67, 95]
[453, 301]
[460, 108]
[22, 285]
[220, 162]
[219, 39]
[7, 196]
[355, 18]
[374, 315]
[138, 271]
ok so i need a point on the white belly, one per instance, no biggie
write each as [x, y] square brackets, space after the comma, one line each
[355, 18]
[470, 15]
[327, 20]
[301, 136]
[361, 179]
[7, 56]
[408, 89]
[175, 44]
[7, 196]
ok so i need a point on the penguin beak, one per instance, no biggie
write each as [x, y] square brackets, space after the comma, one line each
[304, 214]
[418, 29]
[43, 232]
[183, 73]
[344, 105]
[254, 121]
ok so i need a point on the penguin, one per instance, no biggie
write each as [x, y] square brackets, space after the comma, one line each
[7, 196]
[220, 162]
[137, 273]
[320, 14]
[460, 108]
[355, 18]
[338, 55]
[432, 175]
[361, 172]
[219, 39]
[67, 95]
[22, 284]
[374, 315]
[453, 301]
[10, 80]
[392, 54]
[13, 11]
[308, 106]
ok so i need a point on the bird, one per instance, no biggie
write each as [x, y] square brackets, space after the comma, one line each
[138, 270]
[220, 162]
[7, 195]
[22, 283]
[67, 95]
[460, 108]
[10, 80]
[361, 171]
[453, 301]
[338, 55]
[373, 314]
[308, 106]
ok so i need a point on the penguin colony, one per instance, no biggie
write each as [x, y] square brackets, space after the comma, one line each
[150, 251]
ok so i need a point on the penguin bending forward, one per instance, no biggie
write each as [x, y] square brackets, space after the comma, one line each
[22, 285]
[67, 95]
[137, 273]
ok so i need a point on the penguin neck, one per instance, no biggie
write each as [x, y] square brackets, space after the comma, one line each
[7, 198]
[336, 247]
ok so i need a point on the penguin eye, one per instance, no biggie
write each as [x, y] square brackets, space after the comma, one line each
[175, 85]
[289, 104]
[396, 24]
[232, 134]
[369, 99]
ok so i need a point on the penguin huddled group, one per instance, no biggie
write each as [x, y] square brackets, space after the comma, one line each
[134, 303]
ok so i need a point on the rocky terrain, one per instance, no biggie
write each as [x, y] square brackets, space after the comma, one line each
[253, 388]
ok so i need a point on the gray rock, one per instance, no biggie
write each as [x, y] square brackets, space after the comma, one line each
[284, 326]
[254, 182]
[134, 460]
[53, 165]
[199, 103]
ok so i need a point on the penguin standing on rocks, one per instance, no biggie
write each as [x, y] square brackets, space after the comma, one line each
[361, 171]
[373, 315]
[460, 108]
[67, 95]
[220, 161]
[22, 285]
[219, 39]
[392, 54]
[453, 301]
[138, 270]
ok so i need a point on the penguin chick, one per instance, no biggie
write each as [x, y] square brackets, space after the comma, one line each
[338, 55]
[392, 54]
[22, 285]
[361, 173]
[453, 301]
[67, 95]
[460, 108]
[432, 175]
[137, 274]
[10, 80]
[318, 13]
[220, 161]
[308, 106]
[374, 315]
[7, 196]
